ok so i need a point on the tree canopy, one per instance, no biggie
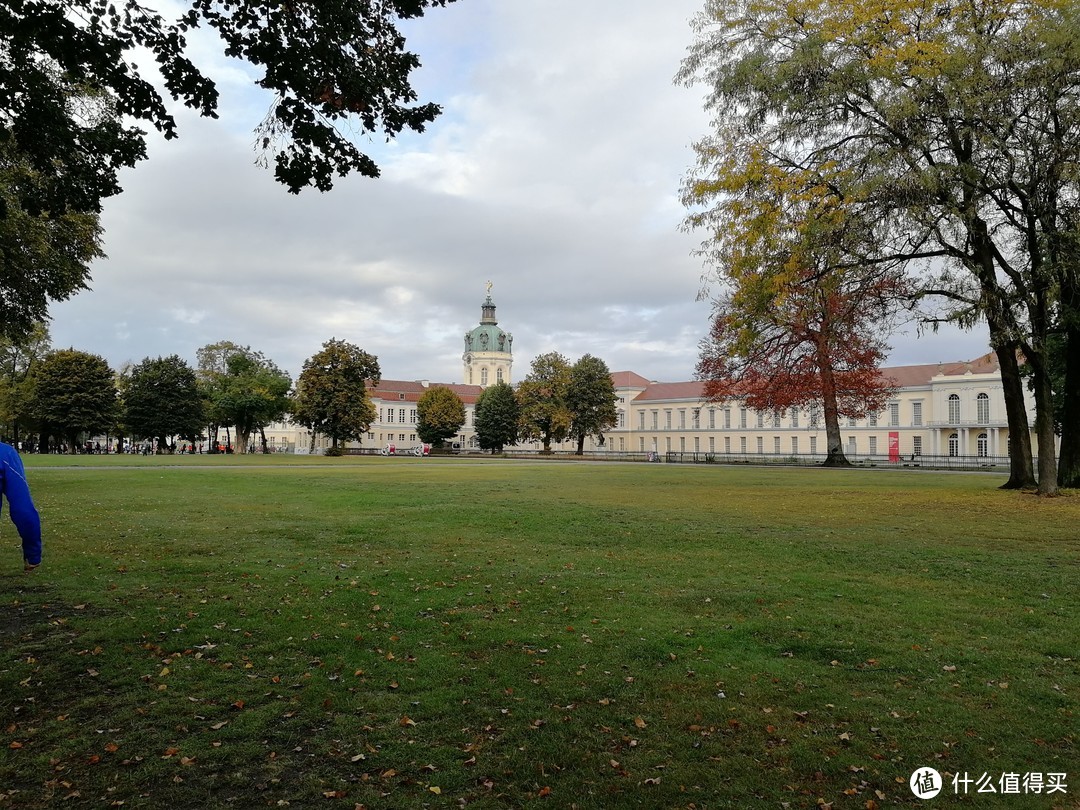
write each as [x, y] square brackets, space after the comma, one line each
[243, 388]
[440, 413]
[73, 393]
[955, 129]
[590, 398]
[496, 417]
[161, 399]
[332, 393]
[325, 64]
[544, 415]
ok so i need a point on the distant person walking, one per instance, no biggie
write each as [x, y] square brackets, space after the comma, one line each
[21, 507]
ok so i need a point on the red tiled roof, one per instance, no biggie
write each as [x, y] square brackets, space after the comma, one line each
[628, 379]
[391, 391]
[676, 390]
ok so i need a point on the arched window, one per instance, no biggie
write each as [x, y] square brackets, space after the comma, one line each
[954, 409]
[499, 375]
[483, 376]
[982, 409]
[954, 444]
[983, 445]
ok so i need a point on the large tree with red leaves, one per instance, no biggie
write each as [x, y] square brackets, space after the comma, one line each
[805, 303]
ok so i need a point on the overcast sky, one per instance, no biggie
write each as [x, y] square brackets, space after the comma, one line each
[553, 173]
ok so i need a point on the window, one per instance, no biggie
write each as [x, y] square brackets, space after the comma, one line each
[794, 417]
[894, 414]
[851, 421]
[667, 420]
[742, 418]
[401, 396]
[620, 419]
[872, 420]
[641, 444]
[776, 445]
[983, 445]
[484, 376]
[390, 415]
[813, 445]
[761, 444]
[655, 420]
[682, 444]
[697, 444]
[727, 418]
[682, 418]
[873, 445]
[641, 420]
[815, 415]
[916, 445]
[401, 438]
[727, 444]
[851, 446]
[982, 409]
[667, 443]
[760, 419]
[954, 444]
[412, 416]
[794, 445]
[712, 444]
[695, 417]
[712, 418]
[916, 413]
[401, 417]
[742, 445]
[954, 409]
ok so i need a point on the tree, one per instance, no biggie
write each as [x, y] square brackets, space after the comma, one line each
[17, 361]
[440, 414]
[545, 416]
[243, 388]
[44, 256]
[803, 313]
[955, 123]
[161, 399]
[324, 63]
[332, 393]
[73, 393]
[590, 397]
[496, 417]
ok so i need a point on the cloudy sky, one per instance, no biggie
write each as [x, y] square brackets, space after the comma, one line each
[553, 173]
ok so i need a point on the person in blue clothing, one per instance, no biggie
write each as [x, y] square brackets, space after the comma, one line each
[21, 507]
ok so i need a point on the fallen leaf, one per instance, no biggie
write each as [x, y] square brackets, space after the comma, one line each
[949, 668]
[544, 791]
[219, 726]
[639, 722]
[406, 721]
[653, 781]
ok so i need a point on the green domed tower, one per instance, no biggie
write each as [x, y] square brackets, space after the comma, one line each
[488, 356]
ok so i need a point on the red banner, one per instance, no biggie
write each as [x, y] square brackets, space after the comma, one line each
[894, 445]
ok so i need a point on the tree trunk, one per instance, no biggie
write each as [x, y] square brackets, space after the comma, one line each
[1069, 461]
[1021, 468]
[1044, 426]
[581, 445]
[834, 441]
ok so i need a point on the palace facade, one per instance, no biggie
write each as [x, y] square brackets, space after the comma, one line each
[942, 409]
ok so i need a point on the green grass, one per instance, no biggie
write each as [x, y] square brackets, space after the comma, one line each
[398, 633]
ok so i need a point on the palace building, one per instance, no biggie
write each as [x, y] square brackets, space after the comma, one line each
[943, 409]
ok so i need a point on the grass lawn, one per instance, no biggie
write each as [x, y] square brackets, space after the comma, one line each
[401, 633]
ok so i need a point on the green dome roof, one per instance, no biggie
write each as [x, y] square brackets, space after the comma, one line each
[488, 337]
